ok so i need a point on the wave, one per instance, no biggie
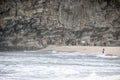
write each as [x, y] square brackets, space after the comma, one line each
[91, 77]
[106, 56]
[63, 66]
[54, 51]
[29, 51]
[91, 54]
[67, 53]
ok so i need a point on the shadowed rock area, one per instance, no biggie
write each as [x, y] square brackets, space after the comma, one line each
[34, 24]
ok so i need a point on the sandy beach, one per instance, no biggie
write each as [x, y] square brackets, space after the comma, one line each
[85, 49]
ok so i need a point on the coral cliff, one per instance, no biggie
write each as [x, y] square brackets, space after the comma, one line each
[31, 24]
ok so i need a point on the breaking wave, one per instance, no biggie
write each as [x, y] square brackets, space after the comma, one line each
[58, 66]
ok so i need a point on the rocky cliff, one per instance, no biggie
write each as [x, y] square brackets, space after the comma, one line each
[31, 24]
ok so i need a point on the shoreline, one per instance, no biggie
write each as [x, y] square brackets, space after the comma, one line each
[115, 51]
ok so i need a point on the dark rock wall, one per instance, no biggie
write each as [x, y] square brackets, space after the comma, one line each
[38, 23]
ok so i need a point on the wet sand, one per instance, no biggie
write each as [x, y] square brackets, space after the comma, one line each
[85, 49]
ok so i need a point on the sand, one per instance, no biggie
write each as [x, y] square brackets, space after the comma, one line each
[85, 49]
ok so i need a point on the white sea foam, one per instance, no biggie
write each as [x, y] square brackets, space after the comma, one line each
[91, 77]
[95, 77]
[70, 66]
[29, 51]
[54, 51]
[106, 56]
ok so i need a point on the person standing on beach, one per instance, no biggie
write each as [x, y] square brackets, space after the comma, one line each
[103, 50]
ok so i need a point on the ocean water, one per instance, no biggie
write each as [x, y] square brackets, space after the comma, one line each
[52, 65]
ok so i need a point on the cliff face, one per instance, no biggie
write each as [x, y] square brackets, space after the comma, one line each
[38, 23]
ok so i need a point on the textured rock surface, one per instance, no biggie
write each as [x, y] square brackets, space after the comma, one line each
[38, 23]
